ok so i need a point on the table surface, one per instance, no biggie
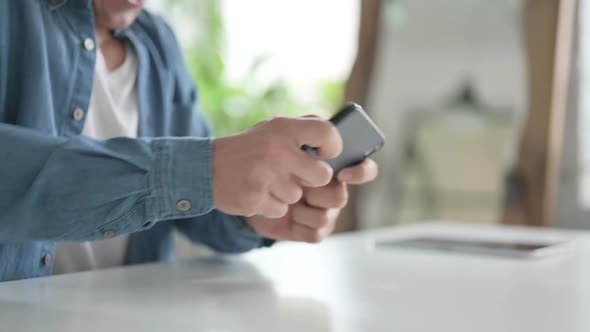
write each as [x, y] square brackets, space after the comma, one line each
[345, 284]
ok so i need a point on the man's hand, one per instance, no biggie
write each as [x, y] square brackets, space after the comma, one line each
[314, 217]
[263, 170]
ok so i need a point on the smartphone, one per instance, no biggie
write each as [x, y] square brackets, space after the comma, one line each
[360, 137]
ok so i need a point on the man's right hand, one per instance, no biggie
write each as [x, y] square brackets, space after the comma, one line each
[263, 170]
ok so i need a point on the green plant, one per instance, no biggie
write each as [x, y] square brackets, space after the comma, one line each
[235, 106]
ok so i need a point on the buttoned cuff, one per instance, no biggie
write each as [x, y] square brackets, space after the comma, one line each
[182, 177]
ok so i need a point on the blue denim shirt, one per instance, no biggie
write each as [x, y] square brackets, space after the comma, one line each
[57, 185]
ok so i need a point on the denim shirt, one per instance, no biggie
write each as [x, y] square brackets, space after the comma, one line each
[57, 185]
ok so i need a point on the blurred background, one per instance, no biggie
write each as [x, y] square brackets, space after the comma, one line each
[471, 94]
[261, 58]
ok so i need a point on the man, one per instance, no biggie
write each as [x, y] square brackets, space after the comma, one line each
[99, 138]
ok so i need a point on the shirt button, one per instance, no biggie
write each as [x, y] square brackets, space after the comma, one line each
[183, 205]
[78, 114]
[89, 44]
[109, 233]
[46, 260]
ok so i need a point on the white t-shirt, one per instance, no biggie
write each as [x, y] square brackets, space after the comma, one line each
[113, 112]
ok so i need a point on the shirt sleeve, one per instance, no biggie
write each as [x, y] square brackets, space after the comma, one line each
[56, 188]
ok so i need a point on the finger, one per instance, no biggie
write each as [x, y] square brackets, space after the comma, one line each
[310, 171]
[318, 133]
[277, 229]
[311, 217]
[364, 172]
[287, 192]
[334, 213]
[333, 195]
[273, 207]
[303, 233]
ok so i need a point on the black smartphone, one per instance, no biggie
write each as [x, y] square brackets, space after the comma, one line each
[360, 137]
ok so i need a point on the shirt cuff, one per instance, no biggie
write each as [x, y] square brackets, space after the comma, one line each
[182, 177]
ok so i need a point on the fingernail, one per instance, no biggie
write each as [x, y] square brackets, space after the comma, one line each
[345, 176]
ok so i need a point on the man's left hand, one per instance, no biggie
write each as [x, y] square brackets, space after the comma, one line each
[314, 217]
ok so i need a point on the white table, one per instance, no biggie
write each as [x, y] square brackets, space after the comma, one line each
[345, 284]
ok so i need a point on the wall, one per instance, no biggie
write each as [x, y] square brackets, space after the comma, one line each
[427, 49]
